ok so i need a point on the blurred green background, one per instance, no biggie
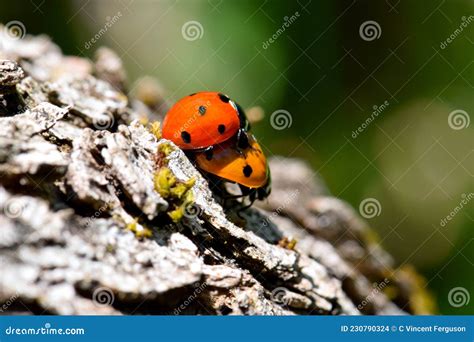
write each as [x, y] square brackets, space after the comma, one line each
[330, 76]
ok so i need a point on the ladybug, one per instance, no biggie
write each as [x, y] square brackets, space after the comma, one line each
[201, 120]
[247, 167]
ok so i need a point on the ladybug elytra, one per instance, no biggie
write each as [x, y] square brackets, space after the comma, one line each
[204, 119]
[247, 167]
[214, 131]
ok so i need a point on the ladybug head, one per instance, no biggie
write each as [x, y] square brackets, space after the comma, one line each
[244, 122]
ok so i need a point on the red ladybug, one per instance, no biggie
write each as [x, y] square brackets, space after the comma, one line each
[202, 120]
[247, 167]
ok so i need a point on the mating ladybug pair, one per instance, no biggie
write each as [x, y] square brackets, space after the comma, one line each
[214, 131]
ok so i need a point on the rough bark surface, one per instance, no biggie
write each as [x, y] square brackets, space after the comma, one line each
[85, 224]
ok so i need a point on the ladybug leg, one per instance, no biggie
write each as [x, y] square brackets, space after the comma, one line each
[264, 191]
[245, 190]
[191, 156]
[229, 197]
[245, 207]
[252, 195]
[209, 152]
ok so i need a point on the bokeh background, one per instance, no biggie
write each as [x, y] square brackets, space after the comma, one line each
[328, 76]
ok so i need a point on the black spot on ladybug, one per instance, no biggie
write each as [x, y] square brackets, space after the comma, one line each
[247, 170]
[224, 98]
[186, 137]
[221, 129]
[202, 110]
[192, 94]
[209, 154]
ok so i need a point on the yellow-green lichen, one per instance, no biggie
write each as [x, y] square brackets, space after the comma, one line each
[165, 148]
[178, 194]
[139, 230]
[177, 214]
[288, 243]
[164, 181]
[420, 298]
[155, 129]
[143, 120]
[187, 202]
[182, 189]
[109, 248]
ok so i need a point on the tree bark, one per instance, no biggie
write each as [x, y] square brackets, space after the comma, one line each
[89, 224]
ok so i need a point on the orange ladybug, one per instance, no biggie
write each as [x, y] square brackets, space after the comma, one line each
[247, 167]
[202, 120]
